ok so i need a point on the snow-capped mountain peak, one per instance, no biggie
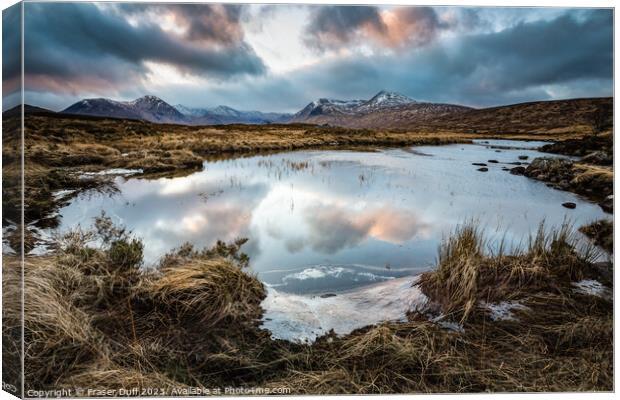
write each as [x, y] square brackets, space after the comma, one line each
[149, 108]
[227, 115]
[380, 101]
[385, 99]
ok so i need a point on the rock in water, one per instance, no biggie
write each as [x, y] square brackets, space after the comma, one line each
[483, 169]
[517, 170]
[569, 204]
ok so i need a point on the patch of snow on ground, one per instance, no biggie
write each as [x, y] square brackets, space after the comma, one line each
[303, 318]
[502, 311]
[593, 288]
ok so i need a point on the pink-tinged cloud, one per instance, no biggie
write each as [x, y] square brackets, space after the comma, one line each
[405, 26]
[334, 27]
[334, 228]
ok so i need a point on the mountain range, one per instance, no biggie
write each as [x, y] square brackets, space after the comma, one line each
[153, 109]
[373, 112]
[385, 110]
[335, 108]
[228, 115]
[322, 111]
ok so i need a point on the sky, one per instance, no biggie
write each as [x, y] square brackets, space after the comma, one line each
[281, 57]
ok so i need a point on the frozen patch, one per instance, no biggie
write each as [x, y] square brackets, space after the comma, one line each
[593, 288]
[303, 318]
[114, 171]
[330, 271]
[62, 193]
[502, 311]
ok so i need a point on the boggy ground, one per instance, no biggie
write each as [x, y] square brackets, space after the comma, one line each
[95, 319]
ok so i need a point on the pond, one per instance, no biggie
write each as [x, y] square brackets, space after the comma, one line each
[321, 222]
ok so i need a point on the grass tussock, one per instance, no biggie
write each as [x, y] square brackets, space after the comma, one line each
[94, 317]
[466, 275]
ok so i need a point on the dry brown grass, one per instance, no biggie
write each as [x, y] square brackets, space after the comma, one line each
[466, 275]
[95, 322]
[593, 175]
[214, 289]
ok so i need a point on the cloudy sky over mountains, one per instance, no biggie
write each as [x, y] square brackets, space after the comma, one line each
[280, 57]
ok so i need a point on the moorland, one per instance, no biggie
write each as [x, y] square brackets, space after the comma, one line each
[94, 317]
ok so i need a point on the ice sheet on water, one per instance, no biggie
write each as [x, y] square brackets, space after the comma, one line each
[114, 171]
[303, 318]
[334, 271]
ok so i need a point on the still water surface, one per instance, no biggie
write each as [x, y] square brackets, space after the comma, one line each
[323, 221]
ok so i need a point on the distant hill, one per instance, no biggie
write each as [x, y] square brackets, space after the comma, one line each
[154, 109]
[229, 115]
[570, 116]
[388, 110]
[148, 108]
[372, 112]
[28, 109]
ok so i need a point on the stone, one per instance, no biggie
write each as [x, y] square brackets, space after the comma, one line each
[569, 204]
[597, 157]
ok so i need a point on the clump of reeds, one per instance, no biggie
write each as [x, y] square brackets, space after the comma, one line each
[467, 275]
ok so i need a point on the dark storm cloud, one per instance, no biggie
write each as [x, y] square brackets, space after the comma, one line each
[490, 57]
[339, 26]
[544, 52]
[80, 46]
[574, 50]
[219, 23]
